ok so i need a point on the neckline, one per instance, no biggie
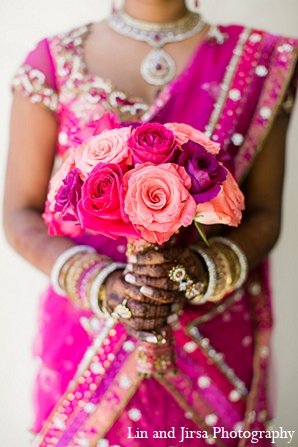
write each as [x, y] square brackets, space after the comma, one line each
[163, 95]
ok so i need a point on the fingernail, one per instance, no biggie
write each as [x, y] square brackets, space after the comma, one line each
[129, 268]
[132, 258]
[130, 278]
[151, 339]
[175, 307]
[172, 318]
[146, 290]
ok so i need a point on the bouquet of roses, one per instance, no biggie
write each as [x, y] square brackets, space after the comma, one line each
[143, 181]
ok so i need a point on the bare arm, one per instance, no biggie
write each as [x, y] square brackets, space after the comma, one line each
[32, 148]
[263, 189]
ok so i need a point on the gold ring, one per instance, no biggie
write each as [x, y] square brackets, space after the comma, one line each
[122, 311]
[179, 274]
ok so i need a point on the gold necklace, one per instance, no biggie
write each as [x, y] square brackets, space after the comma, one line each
[157, 68]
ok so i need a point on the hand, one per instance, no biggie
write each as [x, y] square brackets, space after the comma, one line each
[147, 315]
[150, 271]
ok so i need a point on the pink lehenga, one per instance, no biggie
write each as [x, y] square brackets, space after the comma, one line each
[87, 391]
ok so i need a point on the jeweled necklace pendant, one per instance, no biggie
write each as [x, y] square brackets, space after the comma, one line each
[158, 68]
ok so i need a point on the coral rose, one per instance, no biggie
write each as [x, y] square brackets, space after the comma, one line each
[157, 200]
[152, 142]
[108, 147]
[226, 208]
[101, 206]
[184, 132]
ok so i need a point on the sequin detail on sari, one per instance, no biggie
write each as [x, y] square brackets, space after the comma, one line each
[30, 82]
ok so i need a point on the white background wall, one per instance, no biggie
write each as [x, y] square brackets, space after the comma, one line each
[22, 23]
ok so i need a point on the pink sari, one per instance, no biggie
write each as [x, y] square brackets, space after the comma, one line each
[87, 391]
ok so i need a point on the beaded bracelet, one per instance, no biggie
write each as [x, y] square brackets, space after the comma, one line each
[242, 259]
[61, 260]
[98, 282]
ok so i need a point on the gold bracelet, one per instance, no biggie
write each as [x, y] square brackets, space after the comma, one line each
[223, 274]
[74, 274]
[65, 269]
[232, 259]
[241, 260]
[102, 298]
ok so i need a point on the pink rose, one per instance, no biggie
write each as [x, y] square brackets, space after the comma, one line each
[108, 147]
[152, 142]
[108, 121]
[101, 206]
[157, 200]
[57, 179]
[184, 132]
[226, 208]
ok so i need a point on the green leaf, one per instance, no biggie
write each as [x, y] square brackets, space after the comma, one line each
[201, 233]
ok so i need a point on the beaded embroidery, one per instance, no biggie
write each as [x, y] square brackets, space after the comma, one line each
[68, 54]
[31, 82]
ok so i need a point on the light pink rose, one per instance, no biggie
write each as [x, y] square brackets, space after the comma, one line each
[107, 121]
[226, 208]
[57, 179]
[184, 132]
[108, 147]
[157, 200]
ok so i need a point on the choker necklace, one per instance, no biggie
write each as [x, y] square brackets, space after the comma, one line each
[158, 68]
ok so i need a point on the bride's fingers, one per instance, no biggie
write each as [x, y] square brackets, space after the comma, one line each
[155, 271]
[159, 283]
[160, 270]
[141, 324]
[156, 257]
[161, 295]
[148, 311]
[134, 293]
[149, 337]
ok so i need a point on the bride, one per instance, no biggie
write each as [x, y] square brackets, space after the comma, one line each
[153, 61]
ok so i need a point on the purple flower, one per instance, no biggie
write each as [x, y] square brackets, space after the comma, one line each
[204, 170]
[69, 194]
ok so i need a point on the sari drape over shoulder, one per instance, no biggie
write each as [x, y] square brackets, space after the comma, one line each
[87, 391]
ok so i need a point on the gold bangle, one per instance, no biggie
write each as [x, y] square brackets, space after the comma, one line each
[74, 274]
[232, 259]
[241, 260]
[102, 298]
[223, 274]
[64, 270]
